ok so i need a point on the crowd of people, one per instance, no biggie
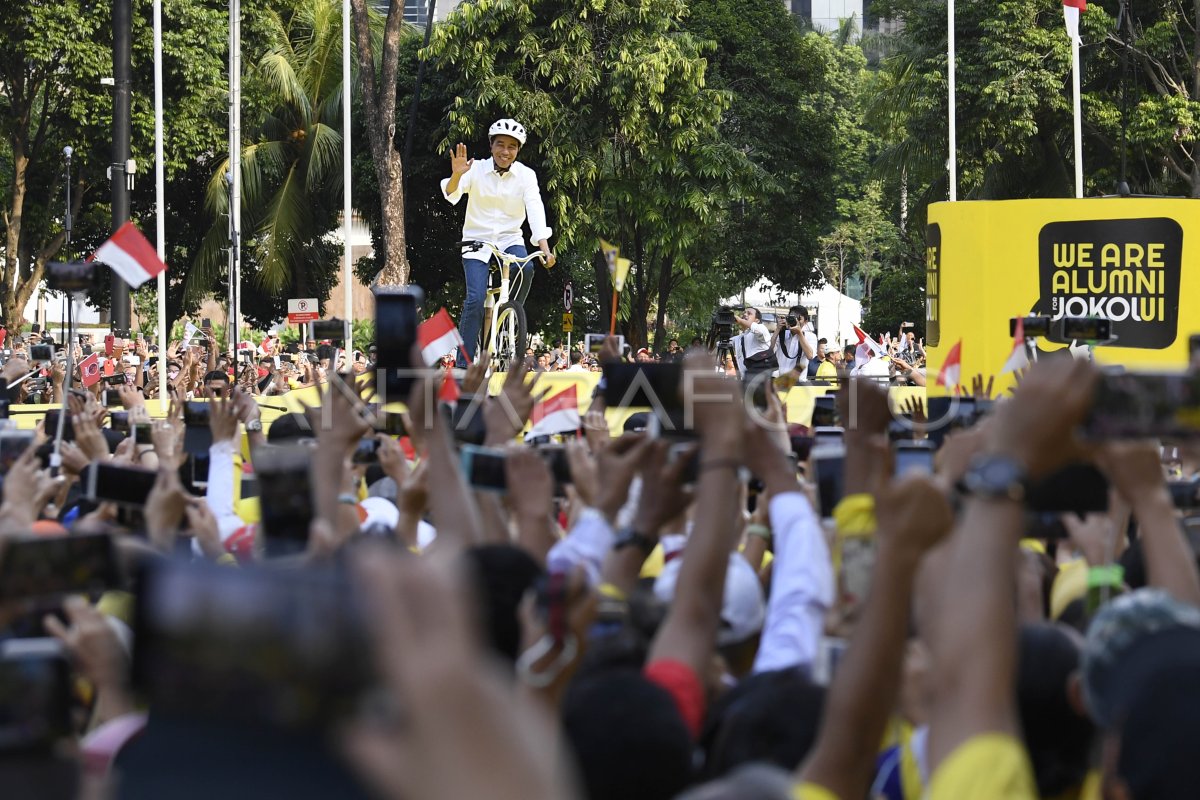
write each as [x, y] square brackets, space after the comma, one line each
[604, 617]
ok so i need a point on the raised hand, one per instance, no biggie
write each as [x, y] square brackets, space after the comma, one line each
[459, 163]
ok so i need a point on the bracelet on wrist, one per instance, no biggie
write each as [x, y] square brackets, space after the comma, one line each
[345, 498]
[761, 531]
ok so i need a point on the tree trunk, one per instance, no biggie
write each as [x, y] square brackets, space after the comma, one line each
[379, 106]
[664, 293]
[603, 288]
[11, 313]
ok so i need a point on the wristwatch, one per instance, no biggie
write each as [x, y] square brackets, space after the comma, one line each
[996, 478]
[629, 537]
[254, 426]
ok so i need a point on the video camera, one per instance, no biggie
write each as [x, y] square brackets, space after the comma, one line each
[1064, 330]
[720, 328]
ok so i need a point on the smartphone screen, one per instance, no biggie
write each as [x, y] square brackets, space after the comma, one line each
[643, 385]
[282, 648]
[594, 342]
[119, 421]
[1078, 487]
[49, 566]
[35, 692]
[828, 437]
[914, 457]
[397, 314]
[484, 468]
[556, 458]
[1145, 405]
[195, 414]
[140, 433]
[128, 486]
[829, 464]
[285, 496]
[824, 411]
[12, 445]
[367, 452]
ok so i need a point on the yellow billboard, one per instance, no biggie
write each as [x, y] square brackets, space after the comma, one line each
[1134, 261]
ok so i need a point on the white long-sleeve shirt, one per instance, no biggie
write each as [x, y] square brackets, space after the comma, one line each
[498, 204]
[802, 585]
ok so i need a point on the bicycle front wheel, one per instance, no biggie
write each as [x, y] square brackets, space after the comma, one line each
[510, 335]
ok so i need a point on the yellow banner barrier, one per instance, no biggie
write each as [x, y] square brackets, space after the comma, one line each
[798, 402]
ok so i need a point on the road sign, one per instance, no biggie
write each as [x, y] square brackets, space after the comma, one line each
[568, 322]
[568, 296]
[303, 310]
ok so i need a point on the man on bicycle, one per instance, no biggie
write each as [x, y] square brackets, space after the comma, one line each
[503, 193]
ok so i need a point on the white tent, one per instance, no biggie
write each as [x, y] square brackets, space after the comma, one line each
[833, 312]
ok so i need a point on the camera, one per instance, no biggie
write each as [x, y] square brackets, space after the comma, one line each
[720, 328]
[1065, 329]
[70, 276]
[792, 320]
[42, 352]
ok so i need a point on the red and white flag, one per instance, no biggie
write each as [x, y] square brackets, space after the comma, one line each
[130, 255]
[438, 336]
[555, 414]
[449, 391]
[867, 348]
[89, 370]
[1071, 11]
[265, 347]
[952, 367]
[1018, 358]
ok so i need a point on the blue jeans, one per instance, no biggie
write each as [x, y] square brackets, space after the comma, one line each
[476, 273]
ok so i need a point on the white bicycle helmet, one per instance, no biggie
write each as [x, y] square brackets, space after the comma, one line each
[508, 127]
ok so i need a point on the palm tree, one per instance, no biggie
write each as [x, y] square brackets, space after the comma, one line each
[291, 169]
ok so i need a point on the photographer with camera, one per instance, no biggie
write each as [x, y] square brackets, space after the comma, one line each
[795, 343]
[753, 347]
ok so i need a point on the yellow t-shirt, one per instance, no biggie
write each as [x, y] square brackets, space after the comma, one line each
[811, 791]
[990, 766]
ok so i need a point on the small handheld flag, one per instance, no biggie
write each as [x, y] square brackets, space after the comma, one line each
[951, 367]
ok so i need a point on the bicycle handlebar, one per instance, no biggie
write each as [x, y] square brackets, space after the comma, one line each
[472, 244]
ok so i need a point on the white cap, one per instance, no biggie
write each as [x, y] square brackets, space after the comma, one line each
[744, 609]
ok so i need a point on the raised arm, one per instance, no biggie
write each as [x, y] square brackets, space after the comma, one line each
[868, 679]
[689, 632]
[1136, 470]
[973, 631]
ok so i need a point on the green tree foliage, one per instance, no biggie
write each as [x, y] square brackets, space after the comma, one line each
[625, 127]
[291, 168]
[52, 58]
[1014, 100]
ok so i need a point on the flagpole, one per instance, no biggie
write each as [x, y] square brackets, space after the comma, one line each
[159, 207]
[347, 196]
[235, 164]
[952, 161]
[1078, 117]
[612, 325]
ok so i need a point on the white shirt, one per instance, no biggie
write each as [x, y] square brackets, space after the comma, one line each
[756, 339]
[790, 353]
[499, 203]
[802, 582]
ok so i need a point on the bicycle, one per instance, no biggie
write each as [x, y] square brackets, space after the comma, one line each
[504, 333]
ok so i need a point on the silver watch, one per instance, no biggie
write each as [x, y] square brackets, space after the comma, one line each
[254, 426]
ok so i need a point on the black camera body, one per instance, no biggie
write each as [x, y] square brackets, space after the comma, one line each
[721, 327]
[42, 352]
